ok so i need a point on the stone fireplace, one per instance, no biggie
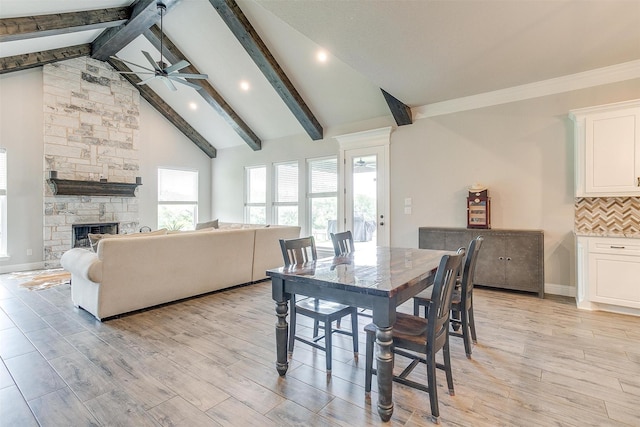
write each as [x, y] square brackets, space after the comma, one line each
[91, 120]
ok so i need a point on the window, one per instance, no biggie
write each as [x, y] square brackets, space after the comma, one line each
[323, 199]
[285, 204]
[3, 202]
[255, 206]
[177, 199]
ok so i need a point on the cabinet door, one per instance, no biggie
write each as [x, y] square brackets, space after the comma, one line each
[613, 279]
[523, 262]
[612, 156]
[490, 267]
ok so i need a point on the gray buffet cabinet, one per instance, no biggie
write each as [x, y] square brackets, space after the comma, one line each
[508, 259]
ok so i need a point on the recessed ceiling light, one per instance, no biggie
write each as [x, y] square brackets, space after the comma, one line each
[193, 105]
[322, 56]
[244, 85]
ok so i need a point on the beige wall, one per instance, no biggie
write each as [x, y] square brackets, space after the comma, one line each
[523, 152]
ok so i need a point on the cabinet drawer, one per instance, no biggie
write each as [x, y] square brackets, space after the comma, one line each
[615, 246]
[615, 279]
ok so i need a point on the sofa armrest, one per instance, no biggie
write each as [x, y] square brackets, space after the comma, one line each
[82, 263]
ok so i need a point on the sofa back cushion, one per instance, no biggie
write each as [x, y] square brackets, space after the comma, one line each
[94, 239]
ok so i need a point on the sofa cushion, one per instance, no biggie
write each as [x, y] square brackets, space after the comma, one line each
[94, 239]
[208, 224]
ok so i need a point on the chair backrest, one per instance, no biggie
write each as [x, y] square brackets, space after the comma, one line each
[342, 243]
[469, 271]
[298, 251]
[440, 306]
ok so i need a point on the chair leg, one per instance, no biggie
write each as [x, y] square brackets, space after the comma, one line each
[354, 331]
[455, 315]
[416, 307]
[472, 324]
[447, 367]
[292, 325]
[368, 366]
[328, 344]
[433, 388]
[464, 314]
[316, 328]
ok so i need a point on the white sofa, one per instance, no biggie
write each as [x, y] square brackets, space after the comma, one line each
[127, 274]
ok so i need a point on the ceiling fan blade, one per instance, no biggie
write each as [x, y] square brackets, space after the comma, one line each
[150, 59]
[184, 82]
[190, 76]
[169, 84]
[131, 63]
[145, 81]
[177, 66]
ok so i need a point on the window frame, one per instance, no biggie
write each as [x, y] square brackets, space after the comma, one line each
[310, 196]
[275, 204]
[247, 193]
[193, 203]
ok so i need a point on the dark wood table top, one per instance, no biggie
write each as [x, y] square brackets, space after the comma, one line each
[380, 271]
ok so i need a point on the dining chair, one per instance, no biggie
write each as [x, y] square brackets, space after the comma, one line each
[462, 318]
[342, 243]
[300, 251]
[421, 339]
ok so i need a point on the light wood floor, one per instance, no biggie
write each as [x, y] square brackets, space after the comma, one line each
[210, 361]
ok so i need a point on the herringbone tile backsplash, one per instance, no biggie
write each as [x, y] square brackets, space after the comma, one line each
[608, 216]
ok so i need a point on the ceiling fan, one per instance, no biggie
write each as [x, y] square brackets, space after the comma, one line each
[362, 164]
[160, 70]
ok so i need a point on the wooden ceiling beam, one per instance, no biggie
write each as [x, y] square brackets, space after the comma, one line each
[36, 59]
[163, 108]
[240, 26]
[144, 14]
[173, 55]
[401, 112]
[27, 27]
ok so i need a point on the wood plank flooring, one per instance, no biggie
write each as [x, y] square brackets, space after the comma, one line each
[210, 361]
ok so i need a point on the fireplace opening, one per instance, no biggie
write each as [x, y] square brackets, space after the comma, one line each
[81, 232]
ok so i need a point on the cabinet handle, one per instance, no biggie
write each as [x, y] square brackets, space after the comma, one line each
[501, 258]
[508, 258]
[616, 247]
[638, 183]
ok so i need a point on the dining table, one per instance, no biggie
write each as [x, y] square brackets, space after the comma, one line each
[380, 279]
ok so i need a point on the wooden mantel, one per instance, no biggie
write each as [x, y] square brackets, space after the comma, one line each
[69, 187]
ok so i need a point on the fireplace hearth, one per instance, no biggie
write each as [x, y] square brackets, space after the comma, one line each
[81, 232]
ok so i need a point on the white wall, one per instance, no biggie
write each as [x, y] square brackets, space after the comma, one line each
[163, 145]
[522, 151]
[21, 133]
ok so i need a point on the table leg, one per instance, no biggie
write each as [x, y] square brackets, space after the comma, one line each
[384, 359]
[282, 334]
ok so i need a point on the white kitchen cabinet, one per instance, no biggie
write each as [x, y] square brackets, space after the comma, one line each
[608, 273]
[607, 150]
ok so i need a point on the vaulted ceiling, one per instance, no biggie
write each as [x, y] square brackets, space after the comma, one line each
[384, 57]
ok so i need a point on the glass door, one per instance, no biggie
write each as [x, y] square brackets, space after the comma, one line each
[365, 201]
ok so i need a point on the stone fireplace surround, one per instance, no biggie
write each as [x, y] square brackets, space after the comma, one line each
[91, 121]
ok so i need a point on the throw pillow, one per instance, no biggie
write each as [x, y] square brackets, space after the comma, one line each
[210, 224]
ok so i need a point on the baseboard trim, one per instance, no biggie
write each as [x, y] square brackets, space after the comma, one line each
[21, 267]
[563, 290]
